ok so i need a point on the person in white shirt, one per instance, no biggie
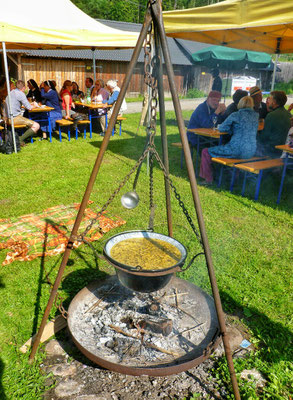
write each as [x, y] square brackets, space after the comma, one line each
[19, 102]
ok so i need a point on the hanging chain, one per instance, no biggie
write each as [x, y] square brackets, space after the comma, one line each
[113, 195]
[177, 195]
[147, 57]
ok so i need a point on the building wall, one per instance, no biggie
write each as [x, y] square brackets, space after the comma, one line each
[41, 69]
[286, 74]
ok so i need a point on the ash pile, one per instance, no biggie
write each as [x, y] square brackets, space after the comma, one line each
[145, 332]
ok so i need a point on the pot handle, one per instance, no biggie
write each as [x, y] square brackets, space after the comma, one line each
[191, 262]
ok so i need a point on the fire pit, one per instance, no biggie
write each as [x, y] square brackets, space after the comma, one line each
[157, 334]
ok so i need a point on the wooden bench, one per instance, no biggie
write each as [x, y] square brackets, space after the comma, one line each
[84, 122]
[64, 123]
[231, 162]
[257, 168]
[119, 121]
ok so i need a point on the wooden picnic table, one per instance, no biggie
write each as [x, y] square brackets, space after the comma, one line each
[91, 107]
[208, 132]
[41, 109]
[46, 111]
[288, 150]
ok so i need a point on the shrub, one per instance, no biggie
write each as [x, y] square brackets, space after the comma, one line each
[194, 93]
[287, 87]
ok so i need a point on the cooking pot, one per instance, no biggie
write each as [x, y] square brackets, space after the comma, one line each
[142, 280]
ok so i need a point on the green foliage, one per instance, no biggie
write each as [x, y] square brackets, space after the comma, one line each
[130, 10]
[287, 87]
[194, 93]
[118, 10]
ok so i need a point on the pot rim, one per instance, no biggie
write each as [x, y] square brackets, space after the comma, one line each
[146, 272]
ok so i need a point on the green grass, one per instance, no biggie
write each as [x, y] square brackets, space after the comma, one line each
[251, 245]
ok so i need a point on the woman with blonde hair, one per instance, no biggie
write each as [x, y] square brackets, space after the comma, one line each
[99, 93]
[242, 126]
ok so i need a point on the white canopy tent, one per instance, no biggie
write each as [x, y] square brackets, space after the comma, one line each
[57, 24]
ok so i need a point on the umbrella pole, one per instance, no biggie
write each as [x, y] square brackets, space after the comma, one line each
[10, 115]
[274, 72]
[94, 63]
[157, 11]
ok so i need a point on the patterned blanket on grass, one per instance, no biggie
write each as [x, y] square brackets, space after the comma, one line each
[46, 233]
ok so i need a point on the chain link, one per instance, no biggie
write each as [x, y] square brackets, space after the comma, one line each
[177, 195]
[113, 195]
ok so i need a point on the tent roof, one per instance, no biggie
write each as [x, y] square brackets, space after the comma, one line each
[57, 24]
[262, 25]
[180, 50]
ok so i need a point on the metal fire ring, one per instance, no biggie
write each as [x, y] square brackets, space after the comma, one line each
[199, 353]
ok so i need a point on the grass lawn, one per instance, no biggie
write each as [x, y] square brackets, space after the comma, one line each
[251, 245]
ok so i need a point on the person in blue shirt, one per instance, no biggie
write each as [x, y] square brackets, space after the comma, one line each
[51, 98]
[203, 116]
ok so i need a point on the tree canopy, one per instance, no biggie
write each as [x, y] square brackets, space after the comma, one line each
[131, 10]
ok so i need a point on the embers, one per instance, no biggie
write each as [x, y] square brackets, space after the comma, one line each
[163, 326]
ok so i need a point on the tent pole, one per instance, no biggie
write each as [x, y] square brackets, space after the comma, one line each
[86, 196]
[157, 12]
[274, 72]
[94, 63]
[10, 115]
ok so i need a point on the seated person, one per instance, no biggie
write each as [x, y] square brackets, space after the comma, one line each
[204, 114]
[34, 92]
[51, 99]
[114, 93]
[277, 125]
[19, 100]
[89, 84]
[242, 125]
[259, 106]
[238, 94]
[76, 93]
[66, 97]
[289, 140]
[99, 94]
[68, 105]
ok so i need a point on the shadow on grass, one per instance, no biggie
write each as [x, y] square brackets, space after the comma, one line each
[275, 339]
[2, 394]
[44, 274]
[268, 193]
[2, 365]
